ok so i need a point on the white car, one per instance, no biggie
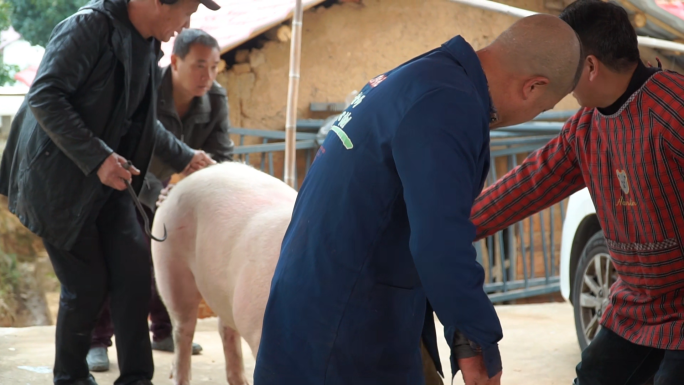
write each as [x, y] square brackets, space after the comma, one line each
[586, 270]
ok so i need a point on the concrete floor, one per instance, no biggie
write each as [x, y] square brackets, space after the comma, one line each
[539, 348]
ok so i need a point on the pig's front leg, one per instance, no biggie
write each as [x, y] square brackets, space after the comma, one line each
[232, 350]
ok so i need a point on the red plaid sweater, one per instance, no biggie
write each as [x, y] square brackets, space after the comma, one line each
[633, 165]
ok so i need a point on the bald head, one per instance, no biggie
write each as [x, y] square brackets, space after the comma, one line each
[541, 45]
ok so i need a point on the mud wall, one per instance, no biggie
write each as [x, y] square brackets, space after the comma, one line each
[343, 47]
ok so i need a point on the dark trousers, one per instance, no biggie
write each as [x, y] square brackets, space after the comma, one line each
[110, 257]
[160, 322]
[612, 360]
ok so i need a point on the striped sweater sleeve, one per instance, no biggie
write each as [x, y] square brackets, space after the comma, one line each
[547, 176]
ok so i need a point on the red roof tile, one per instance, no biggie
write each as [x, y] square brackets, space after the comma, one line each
[674, 7]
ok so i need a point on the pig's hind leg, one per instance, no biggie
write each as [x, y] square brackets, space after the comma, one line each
[232, 350]
[182, 298]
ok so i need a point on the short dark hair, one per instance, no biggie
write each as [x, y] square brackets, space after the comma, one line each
[605, 32]
[189, 37]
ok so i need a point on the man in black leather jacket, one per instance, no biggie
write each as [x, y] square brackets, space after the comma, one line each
[194, 107]
[91, 108]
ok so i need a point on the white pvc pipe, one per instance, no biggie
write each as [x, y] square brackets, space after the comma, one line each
[518, 12]
[660, 44]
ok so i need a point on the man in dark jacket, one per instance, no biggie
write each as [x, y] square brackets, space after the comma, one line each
[382, 225]
[194, 107]
[92, 108]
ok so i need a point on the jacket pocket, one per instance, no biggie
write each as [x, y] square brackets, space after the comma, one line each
[45, 149]
[394, 324]
[56, 185]
[649, 268]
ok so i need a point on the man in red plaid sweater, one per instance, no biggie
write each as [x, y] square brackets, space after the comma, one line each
[626, 145]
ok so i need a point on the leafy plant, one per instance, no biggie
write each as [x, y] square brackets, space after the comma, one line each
[35, 19]
[5, 12]
[7, 72]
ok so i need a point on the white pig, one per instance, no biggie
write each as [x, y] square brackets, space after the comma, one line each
[225, 227]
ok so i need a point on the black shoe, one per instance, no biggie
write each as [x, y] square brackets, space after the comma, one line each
[89, 381]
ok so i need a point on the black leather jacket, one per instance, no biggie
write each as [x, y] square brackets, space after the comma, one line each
[72, 119]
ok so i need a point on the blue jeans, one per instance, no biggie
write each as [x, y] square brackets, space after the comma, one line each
[612, 360]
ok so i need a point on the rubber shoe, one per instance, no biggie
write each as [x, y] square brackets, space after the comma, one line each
[166, 345]
[98, 361]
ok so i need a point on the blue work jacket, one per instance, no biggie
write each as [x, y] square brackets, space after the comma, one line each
[380, 227]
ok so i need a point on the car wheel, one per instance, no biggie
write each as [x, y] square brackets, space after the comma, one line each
[591, 289]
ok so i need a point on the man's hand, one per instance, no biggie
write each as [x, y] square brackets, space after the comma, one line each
[475, 373]
[163, 194]
[198, 162]
[112, 173]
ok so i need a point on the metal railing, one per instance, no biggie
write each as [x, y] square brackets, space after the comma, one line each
[305, 141]
[520, 261]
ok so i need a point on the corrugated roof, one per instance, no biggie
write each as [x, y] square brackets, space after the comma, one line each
[238, 21]
[674, 7]
[663, 18]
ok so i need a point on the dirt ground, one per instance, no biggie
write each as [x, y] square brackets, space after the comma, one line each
[539, 348]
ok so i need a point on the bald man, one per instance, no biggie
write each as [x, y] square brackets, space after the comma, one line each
[381, 224]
